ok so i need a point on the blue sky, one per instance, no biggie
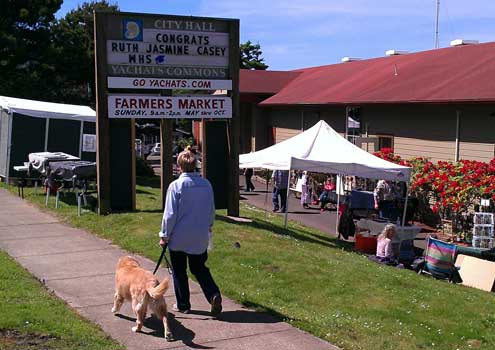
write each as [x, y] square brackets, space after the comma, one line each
[297, 34]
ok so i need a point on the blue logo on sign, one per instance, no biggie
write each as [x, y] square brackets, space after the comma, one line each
[133, 29]
[160, 59]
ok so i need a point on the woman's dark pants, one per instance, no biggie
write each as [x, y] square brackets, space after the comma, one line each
[179, 261]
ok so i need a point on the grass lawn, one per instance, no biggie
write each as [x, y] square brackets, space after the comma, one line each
[313, 281]
[31, 318]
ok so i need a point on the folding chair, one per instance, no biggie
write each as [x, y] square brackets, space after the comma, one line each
[439, 260]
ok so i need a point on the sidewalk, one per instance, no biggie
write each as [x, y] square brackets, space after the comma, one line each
[79, 267]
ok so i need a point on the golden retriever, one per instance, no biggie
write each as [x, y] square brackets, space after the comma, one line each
[142, 289]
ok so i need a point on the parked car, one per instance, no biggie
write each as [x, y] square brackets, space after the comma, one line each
[155, 149]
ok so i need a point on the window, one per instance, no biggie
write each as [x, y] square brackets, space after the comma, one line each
[385, 141]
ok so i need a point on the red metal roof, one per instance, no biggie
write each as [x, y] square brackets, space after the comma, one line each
[453, 74]
[264, 82]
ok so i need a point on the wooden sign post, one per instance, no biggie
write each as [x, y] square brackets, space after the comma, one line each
[141, 60]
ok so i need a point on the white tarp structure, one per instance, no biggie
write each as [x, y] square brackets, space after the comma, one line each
[321, 149]
[28, 126]
[40, 109]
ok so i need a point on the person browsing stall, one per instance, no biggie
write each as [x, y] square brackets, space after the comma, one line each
[187, 220]
[280, 183]
[248, 173]
[384, 197]
[328, 187]
[305, 190]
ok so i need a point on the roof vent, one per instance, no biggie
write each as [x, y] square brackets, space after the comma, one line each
[395, 52]
[350, 59]
[460, 42]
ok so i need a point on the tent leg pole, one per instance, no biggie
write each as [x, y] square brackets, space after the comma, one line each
[287, 201]
[338, 206]
[47, 196]
[405, 205]
[266, 197]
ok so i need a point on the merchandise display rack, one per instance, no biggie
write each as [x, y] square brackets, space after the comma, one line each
[483, 230]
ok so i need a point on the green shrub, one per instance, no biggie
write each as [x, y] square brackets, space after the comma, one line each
[143, 168]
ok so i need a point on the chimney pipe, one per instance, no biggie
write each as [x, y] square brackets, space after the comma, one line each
[461, 42]
[350, 59]
[395, 52]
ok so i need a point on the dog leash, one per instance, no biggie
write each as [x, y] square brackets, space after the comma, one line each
[167, 263]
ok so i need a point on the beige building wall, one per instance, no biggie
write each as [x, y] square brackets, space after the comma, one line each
[431, 130]
[418, 130]
[483, 152]
[408, 148]
[289, 122]
[437, 150]
[282, 134]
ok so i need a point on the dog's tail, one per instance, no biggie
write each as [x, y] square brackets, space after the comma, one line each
[160, 289]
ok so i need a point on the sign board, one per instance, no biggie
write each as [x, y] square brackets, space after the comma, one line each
[167, 47]
[89, 143]
[160, 83]
[172, 48]
[149, 106]
[148, 56]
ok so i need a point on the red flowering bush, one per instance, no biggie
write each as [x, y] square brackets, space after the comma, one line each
[450, 187]
[388, 154]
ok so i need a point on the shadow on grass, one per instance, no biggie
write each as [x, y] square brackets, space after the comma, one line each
[157, 210]
[347, 246]
[301, 235]
[70, 199]
[148, 181]
[264, 311]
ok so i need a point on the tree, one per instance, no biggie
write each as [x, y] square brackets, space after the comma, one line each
[73, 38]
[250, 57]
[26, 55]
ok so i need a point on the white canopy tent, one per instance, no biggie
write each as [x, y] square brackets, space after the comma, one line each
[41, 109]
[29, 126]
[322, 149]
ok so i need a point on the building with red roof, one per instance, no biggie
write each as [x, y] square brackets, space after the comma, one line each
[438, 103]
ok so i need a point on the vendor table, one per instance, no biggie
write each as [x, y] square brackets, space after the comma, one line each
[482, 253]
[23, 171]
[40, 160]
[358, 199]
[73, 170]
[78, 172]
[362, 200]
[376, 227]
